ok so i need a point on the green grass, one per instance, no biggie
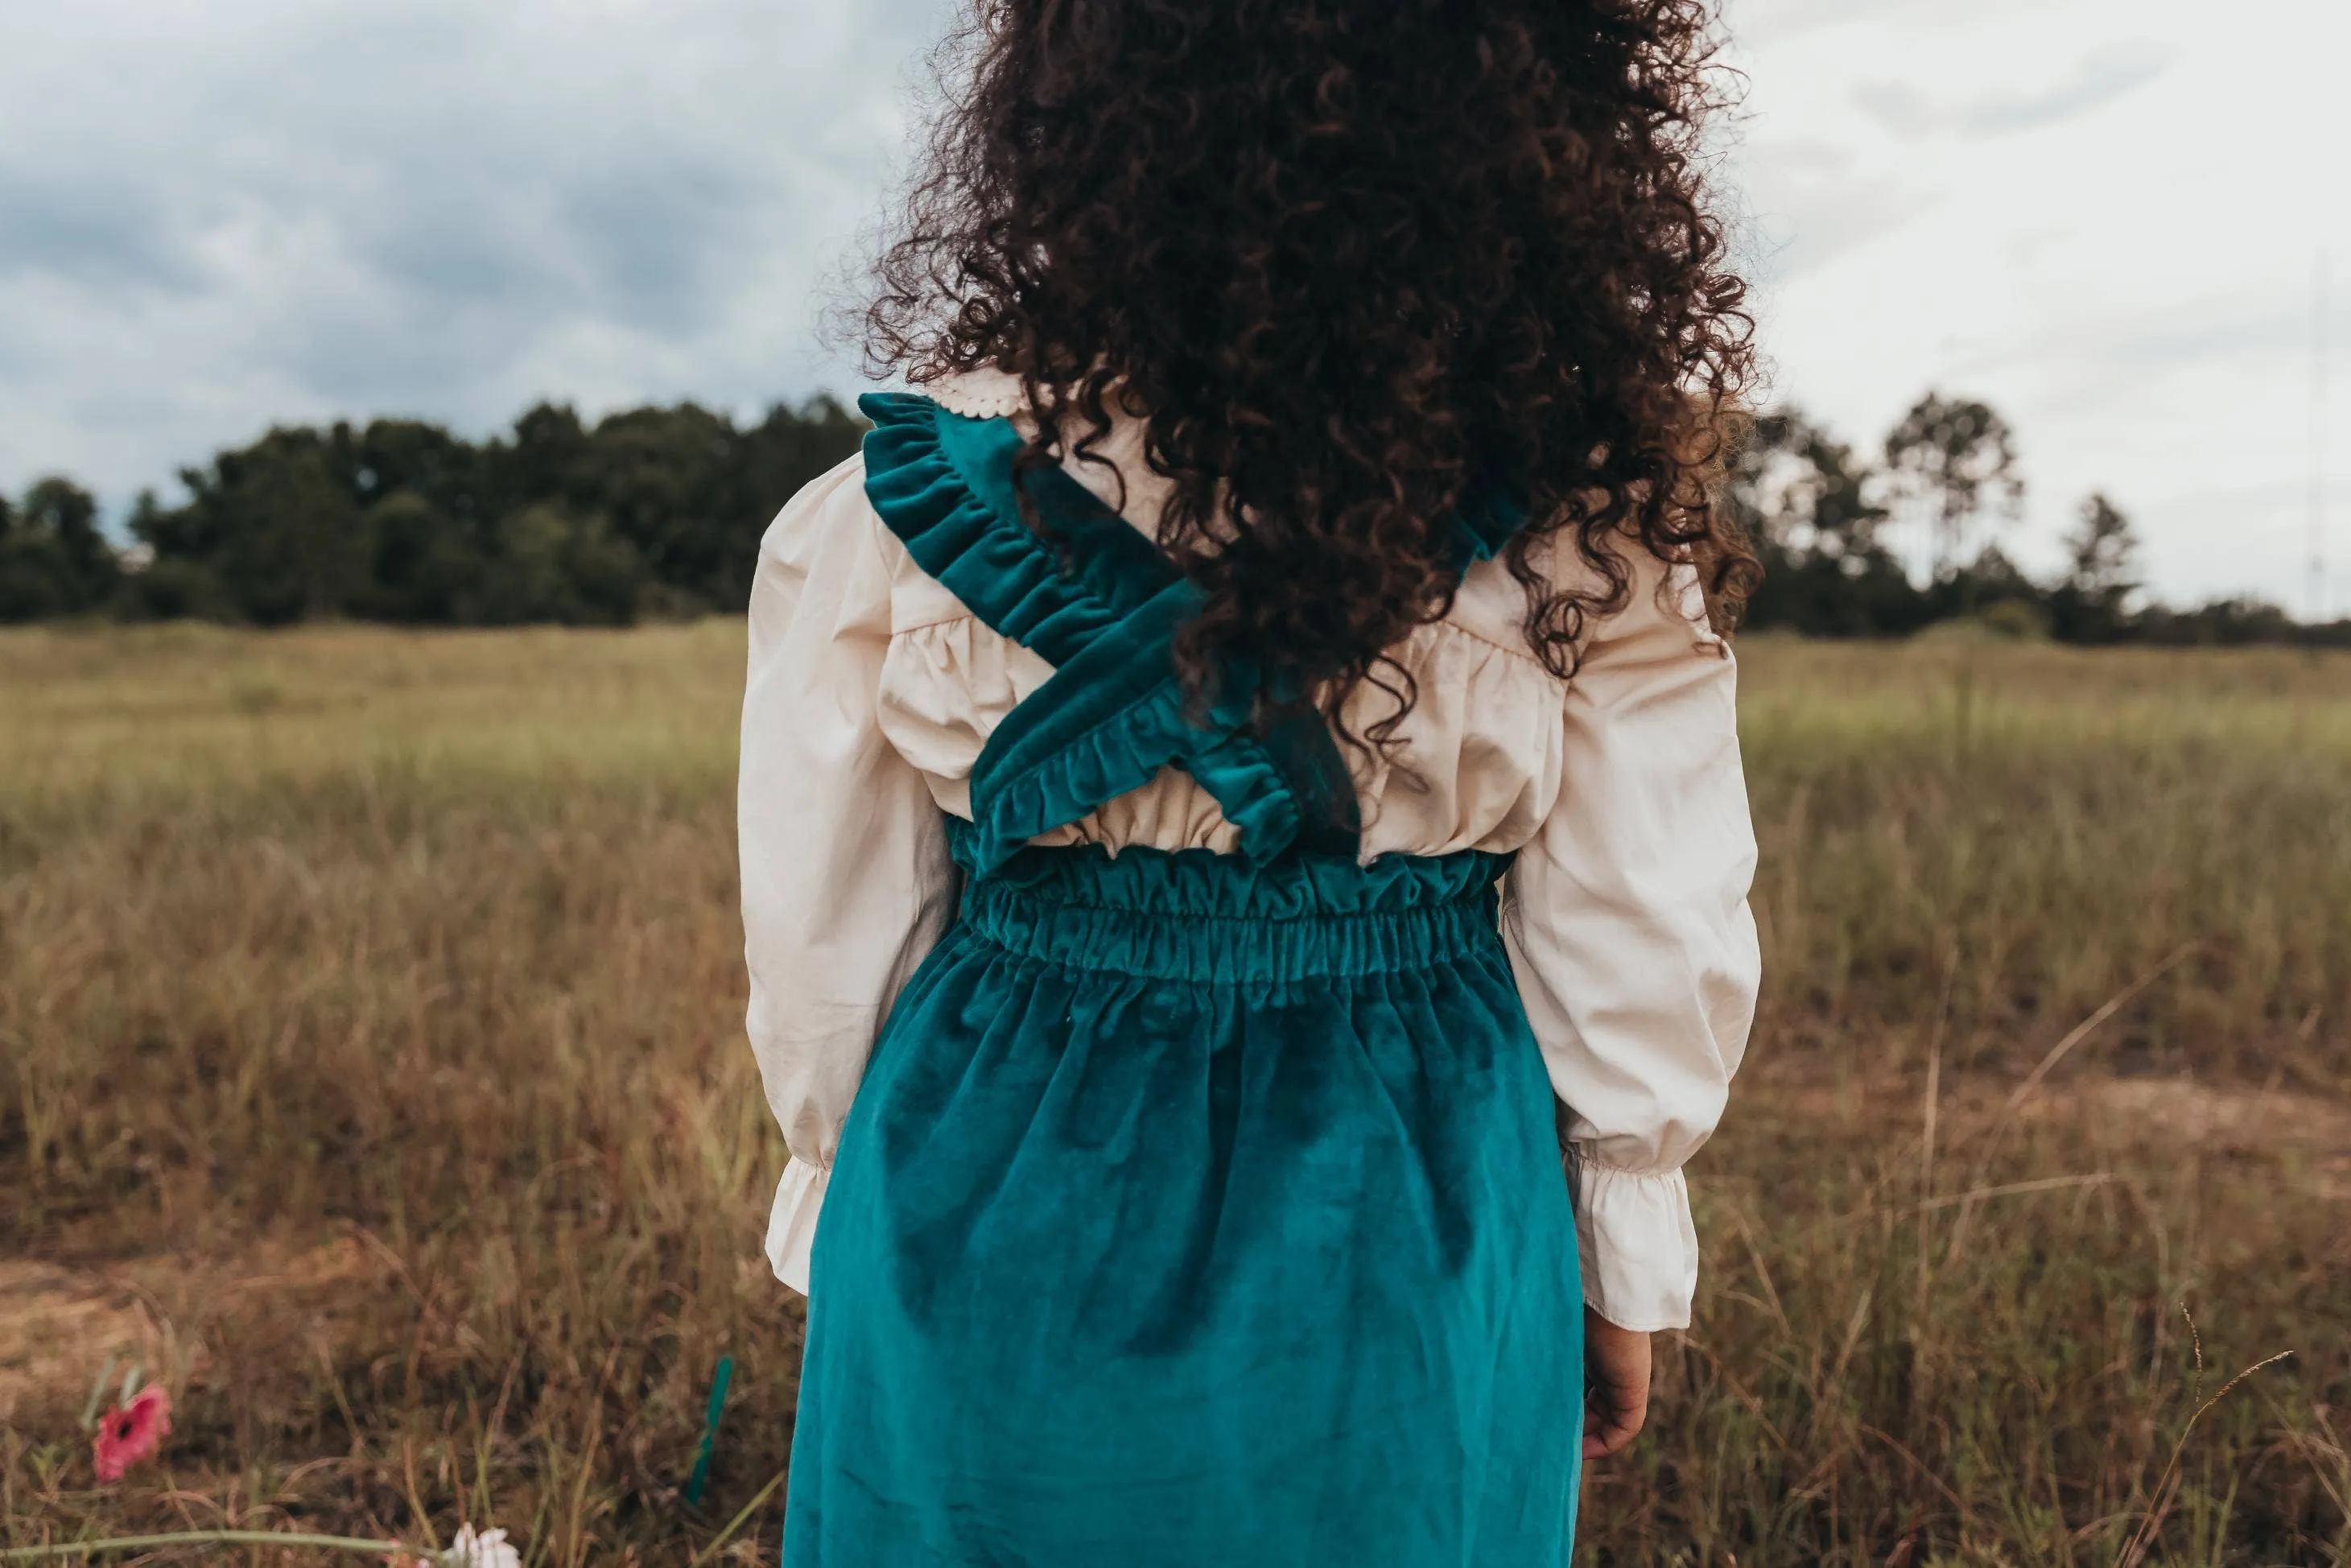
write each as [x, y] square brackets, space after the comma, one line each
[370, 1064]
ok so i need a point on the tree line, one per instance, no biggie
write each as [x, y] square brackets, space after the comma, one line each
[656, 513]
[650, 513]
[1825, 521]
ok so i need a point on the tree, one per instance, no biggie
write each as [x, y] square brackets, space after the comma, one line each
[1800, 491]
[2105, 550]
[1804, 499]
[424, 567]
[54, 557]
[275, 525]
[2089, 605]
[1949, 464]
[1993, 591]
[554, 564]
[68, 514]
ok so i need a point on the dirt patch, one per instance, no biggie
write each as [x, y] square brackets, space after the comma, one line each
[2309, 1137]
[2306, 1138]
[2199, 1113]
[60, 1325]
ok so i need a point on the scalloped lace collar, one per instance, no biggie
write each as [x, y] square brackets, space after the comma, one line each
[978, 394]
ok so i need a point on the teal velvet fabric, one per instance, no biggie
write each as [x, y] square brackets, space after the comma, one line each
[1198, 1212]
[1195, 1208]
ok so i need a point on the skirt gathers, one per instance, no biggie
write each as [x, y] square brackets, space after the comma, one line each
[1197, 1212]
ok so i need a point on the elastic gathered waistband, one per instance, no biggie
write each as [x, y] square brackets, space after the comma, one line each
[1220, 919]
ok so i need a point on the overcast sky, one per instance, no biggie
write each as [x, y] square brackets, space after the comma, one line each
[2101, 215]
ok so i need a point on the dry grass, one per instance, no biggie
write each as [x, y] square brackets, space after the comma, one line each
[370, 1066]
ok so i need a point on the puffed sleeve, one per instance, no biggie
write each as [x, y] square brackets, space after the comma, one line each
[846, 879]
[1628, 927]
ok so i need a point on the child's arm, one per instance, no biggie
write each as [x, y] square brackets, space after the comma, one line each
[1634, 949]
[846, 878]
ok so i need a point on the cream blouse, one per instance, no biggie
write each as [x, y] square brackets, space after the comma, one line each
[872, 690]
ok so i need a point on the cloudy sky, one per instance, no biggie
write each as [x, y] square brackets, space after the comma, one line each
[2104, 216]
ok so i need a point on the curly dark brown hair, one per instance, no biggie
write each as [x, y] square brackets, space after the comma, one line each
[1349, 260]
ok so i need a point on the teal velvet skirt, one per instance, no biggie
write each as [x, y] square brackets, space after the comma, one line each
[1197, 1215]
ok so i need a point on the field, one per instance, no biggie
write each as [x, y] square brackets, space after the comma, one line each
[370, 1070]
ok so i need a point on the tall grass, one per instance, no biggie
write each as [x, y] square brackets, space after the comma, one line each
[2037, 826]
[370, 1064]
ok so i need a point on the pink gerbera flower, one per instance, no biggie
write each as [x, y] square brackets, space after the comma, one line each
[129, 1433]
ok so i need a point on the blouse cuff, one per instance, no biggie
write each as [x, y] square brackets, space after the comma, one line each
[791, 1223]
[1637, 1245]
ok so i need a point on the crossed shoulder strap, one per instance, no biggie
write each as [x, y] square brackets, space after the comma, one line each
[1102, 604]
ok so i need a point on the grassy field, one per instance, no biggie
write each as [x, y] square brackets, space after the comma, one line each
[370, 1069]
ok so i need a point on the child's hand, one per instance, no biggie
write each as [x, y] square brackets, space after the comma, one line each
[1616, 1386]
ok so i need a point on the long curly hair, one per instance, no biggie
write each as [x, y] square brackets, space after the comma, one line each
[1349, 260]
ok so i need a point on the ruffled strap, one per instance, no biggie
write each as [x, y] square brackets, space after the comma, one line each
[1102, 605]
[944, 485]
[1119, 716]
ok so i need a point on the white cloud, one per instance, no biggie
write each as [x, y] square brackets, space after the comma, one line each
[2101, 215]
[2098, 78]
[215, 216]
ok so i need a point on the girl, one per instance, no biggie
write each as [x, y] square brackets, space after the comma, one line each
[1239, 777]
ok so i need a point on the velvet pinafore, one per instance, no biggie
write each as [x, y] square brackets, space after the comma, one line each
[1197, 1210]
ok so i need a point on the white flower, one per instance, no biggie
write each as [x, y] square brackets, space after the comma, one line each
[490, 1550]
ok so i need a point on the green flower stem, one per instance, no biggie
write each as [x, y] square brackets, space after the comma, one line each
[202, 1537]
